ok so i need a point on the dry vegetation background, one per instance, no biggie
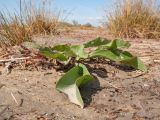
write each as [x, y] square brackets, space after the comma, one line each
[129, 18]
[19, 27]
[135, 19]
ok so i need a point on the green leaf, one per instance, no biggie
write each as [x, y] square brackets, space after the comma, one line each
[86, 78]
[115, 55]
[73, 79]
[136, 63]
[120, 56]
[109, 54]
[117, 44]
[96, 42]
[49, 53]
[61, 48]
[79, 51]
[124, 55]
[64, 49]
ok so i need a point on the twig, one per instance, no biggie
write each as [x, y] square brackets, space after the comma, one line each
[14, 59]
[113, 86]
[14, 98]
[136, 76]
[156, 61]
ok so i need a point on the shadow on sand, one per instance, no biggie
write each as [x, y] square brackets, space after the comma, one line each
[89, 90]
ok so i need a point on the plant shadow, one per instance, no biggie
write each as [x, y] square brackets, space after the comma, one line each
[90, 89]
[111, 63]
[121, 66]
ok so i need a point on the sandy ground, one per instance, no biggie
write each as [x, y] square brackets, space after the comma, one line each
[115, 94]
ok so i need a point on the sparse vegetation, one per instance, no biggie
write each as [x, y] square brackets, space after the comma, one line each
[19, 27]
[135, 19]
[13, 31]
[76, 56]
[42, 20]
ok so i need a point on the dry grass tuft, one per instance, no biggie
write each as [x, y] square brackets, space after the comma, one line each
[41, 19]
[12, 30]
[16, 28]
[135, 19]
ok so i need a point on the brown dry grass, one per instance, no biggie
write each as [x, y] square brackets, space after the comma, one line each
[135, 19]
[42, 20]
[12, 30]
[19, 27]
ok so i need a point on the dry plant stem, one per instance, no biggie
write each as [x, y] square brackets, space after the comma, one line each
[113, 86]
[14, 98]
[14, 59]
